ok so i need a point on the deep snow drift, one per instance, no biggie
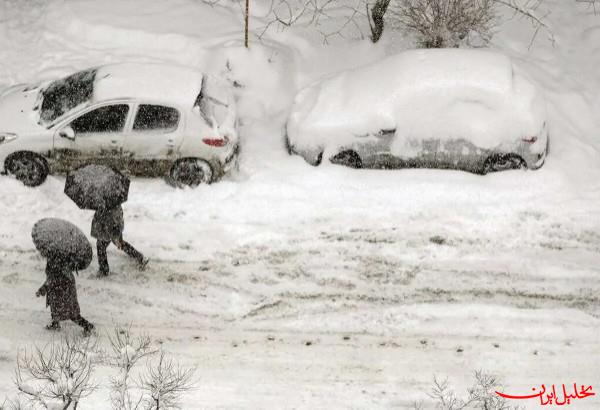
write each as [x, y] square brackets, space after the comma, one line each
[392, 276]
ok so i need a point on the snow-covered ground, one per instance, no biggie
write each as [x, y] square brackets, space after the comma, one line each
[298, 287]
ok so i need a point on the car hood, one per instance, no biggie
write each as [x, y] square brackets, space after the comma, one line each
[17, 110]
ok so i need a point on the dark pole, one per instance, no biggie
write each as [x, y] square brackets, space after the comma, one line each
[246, 23]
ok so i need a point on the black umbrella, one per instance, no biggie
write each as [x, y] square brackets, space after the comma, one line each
[97, 187]
[57, 238]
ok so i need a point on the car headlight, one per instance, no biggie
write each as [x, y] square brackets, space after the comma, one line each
[7, 137]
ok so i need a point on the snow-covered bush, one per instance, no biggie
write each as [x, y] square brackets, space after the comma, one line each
[446, 23]
[127, 351]
[160, 385]
[58, 375]
[481, 395]
[164, 382]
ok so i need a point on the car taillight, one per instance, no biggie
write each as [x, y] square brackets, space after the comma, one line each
[530, 140]
[216, 142]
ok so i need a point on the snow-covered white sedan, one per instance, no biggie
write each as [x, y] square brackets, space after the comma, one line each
[462, 109]
[146, 119]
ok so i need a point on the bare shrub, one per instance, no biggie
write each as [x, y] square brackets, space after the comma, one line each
[58, 375]
[445, 23]
[448, 23]
[127, 351]
[481, 395]
[164, 382]
[159, 386]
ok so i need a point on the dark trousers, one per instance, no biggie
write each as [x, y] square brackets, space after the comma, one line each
[102, 245]
[82, 322]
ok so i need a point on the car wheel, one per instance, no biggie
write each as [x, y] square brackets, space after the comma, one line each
[30, 169]
[503, 162]
[191, 172]
[349, 158]
[288, 145]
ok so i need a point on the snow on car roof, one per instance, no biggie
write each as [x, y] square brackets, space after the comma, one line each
[482, 69]
[425, 93]
[170, 84]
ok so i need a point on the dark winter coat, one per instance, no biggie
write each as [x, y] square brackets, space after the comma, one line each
[108, 224]
[60, 291]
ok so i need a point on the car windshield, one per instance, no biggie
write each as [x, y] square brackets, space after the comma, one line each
[61, 96]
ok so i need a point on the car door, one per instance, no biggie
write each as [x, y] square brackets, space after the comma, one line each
[95, 136]
[151, 145]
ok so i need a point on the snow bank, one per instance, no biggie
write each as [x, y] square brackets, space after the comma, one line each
[264, 76]
[423, 94]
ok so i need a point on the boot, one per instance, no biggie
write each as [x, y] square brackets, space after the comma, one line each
[87, 326]
[143, 262]
[53, 326]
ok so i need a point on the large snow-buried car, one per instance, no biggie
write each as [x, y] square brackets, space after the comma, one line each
[463, 109]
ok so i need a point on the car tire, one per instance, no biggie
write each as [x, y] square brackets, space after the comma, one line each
[348, 158]
[288, 146]
[31, 169]
[191, 172]
[503, 162]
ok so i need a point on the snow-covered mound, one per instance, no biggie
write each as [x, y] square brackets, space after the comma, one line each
[423, 94]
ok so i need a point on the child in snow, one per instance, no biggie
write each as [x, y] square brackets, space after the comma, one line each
[61, 295]
[107, 227]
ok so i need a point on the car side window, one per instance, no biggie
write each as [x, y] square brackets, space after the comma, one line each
[111, 118]
[156, 118]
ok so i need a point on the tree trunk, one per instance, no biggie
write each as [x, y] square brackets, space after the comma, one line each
[246, 21]
[376, 21]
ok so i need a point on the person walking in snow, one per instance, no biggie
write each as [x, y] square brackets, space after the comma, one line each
[107, 228]
[60, 291]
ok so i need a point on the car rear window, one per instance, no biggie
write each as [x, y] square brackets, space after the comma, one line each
[156, 117]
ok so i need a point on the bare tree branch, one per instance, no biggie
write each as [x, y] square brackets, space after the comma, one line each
[60, 372]
[331, 18]
[527, 10]
[127, 351]
[164, 382]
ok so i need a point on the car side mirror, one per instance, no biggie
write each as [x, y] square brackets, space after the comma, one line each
[67, 133]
